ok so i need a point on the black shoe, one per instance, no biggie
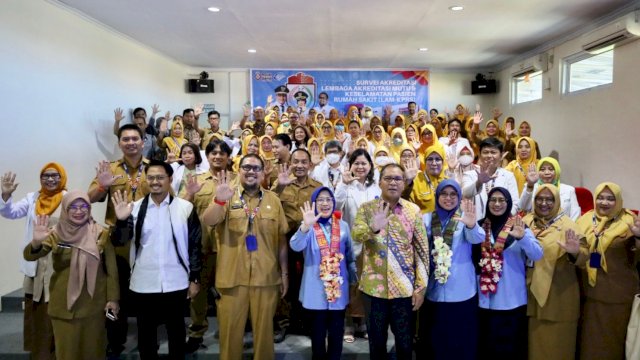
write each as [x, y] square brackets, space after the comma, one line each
[192, 345]
[113, 352]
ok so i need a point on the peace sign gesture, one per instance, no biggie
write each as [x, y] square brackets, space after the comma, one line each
[381, 217]
[121, 206]
[309, 216]
[468, 217]
[517, 230]
[224, 192]
[571, 243]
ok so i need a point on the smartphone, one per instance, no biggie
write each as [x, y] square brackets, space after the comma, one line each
[110, 315]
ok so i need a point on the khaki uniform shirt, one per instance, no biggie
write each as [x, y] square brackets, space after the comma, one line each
[235, 265]
[293, 197]
[210, 134]
[201, 201]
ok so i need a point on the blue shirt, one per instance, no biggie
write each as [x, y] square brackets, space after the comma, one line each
[461, 284]
[512, 287]
[312, 295]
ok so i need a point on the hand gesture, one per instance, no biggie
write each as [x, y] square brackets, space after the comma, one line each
[532, 175]
[316, 157]
[167, 115]
[121, 205]
[224, 192]
[347, 175]
[198, 109]
[163, 127]
[388, 110]
[352, 146]
[416, 144]
[452, 161]
[196, 139]
[192, 185]
[268, 167]
[309, 216]
[517, 230]
[8, 184]
[571, 243]
[114, 307]
[635, 228]
[118, 115]
[284, 176]
[496, 113]
[172, 156]
[235, 126]
[466, 112]
[483, 174]
[468, 217]
[154, 110]
[411, 170]
[453, 136]
[477, 118]
[269, 100]
[246, 110]
[41, 230]
[193, 290]
[508, 130]
[381, 217]
[104, 175]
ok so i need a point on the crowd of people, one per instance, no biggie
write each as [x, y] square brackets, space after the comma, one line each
[461, 240]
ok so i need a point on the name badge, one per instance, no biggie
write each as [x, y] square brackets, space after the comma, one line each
[594, 260]
[252, 243]
[236, 206]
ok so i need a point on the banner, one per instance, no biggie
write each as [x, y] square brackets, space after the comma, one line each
[345, 88]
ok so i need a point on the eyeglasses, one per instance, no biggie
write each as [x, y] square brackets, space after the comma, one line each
[156, 178]
[325, 200]
[50, 176]
[391, 179]
[450, 195]
[78, 208]
[544, 200]
[497, 200]
[249, 168]
[434, 160]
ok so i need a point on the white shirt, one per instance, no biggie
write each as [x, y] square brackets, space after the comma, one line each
[503, 179]
[569, 201]
[324, 109]
[451, 150]
[178, 172]
[157, 268]
[321, 174]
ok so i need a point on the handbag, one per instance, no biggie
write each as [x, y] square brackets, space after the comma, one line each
[632, 345]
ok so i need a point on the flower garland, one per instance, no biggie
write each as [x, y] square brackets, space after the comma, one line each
[492, 259]
[330, 260]
[442, 252]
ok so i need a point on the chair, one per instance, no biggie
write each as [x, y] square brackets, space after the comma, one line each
[585, 199]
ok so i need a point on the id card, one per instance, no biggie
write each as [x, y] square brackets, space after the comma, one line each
[594, 260]
[252, 242]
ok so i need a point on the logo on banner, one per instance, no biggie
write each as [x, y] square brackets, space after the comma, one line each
[304, 83]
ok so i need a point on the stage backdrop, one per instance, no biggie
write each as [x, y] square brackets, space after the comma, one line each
[345, 88]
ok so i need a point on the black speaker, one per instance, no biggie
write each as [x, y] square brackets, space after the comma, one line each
[483, 87]
[199, 86]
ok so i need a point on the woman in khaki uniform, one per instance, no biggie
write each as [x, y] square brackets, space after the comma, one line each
[611, 278]
[554, 296]
[85, 279]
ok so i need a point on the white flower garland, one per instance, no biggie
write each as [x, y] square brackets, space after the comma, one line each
[442, 258]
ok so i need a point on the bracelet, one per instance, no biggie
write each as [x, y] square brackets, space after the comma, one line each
[101, 189]
[221, 203]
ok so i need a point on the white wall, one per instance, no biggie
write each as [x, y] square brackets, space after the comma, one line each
[62, 76]
[595, 131]
[232, 91]
[448, 89]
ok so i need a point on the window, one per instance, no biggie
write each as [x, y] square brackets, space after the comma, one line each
[527, 88]
[585, 71]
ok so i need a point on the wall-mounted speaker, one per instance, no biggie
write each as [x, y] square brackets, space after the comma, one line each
[199, 86]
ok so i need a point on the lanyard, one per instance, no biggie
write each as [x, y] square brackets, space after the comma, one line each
[546, 226]
[597, 235]
[251, 214]
[429, 182]
[133, 183]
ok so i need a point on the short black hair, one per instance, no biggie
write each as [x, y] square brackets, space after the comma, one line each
[301, 150]
[412, 102]
[332, 144]
[284, 139]
[434, 109]
[492, 142]
[252, 156]
[213, 112]
[129, 127]
[215, 143]
[391, 165]
[323, 93]
[167, 168]
[185, 111]
[455, 120]
[196, 152]
[362, 152]
[139, 109]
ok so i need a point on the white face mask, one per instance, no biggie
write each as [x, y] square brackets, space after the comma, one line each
[465, 160]
[397, 141]
[332, 159]
[383, 160]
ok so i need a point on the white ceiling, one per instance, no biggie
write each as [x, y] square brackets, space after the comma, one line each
[345, 33]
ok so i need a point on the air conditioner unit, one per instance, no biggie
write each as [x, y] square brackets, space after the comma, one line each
[531, 65]
[616, 33]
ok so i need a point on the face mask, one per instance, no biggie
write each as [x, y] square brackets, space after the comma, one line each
[332, 159]
[397, 141]
[286, 124]
[368, 114]
[465, 160]
[383, 160]
[339, 127]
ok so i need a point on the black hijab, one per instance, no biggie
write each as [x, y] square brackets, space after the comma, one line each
[497, 222]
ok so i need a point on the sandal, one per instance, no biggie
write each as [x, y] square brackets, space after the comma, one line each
[348, 338]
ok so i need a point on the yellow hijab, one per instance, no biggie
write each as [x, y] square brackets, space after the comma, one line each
[396, 149]
[362, 140]
[267, 155]
[384, 135]
[424, 145]
[174, 143]
[315, 140]
[415, 130]
[609, 227]
[332, 134]
[438, 149]
[548, 232]
[520, 167]
[396, 124]
[48, 201]
[245, 143]
[556, 166]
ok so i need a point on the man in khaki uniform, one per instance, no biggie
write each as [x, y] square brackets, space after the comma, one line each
[294, 186]
[282, 151]
[252, 265]
[200, 191]
[126, 175]
[213, 117]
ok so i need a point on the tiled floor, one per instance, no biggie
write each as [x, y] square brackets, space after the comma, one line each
[293, 348]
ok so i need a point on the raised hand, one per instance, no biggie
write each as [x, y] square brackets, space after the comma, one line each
[196, 139]
[453, 136]
[309, 217]
[155, 109]
[496, 113]
[477, 118]
[388, 110]
[483, 173]
[121, 205]
[284, 176]
[224, 191]
[40, 230]
[532, 175]
[416, 144]
[104, 175]
[198, 109]
[466, 112]
[508, 130]
[517, 230]
[246, 110]
[635, 228]
[118, 114]
[268, 167]
[316, 157]
[571, 242]
[162, 128]
[192, 185]
[8, 185]
[347, 175]
[411, 170]
[235, 125]
[452, 161]
[269, 100]
[172, 156]
[381, 217]
[468, 217]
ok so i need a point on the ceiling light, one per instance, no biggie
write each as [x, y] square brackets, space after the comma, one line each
[423, 49]
[253, 51]
[456, 8]
[213, 9]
